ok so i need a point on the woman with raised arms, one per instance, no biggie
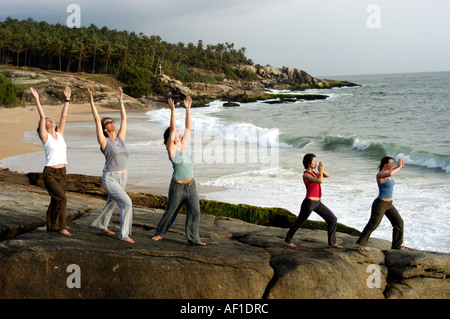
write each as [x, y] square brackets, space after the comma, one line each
[54, 175]
[182, 189]
[114, 177]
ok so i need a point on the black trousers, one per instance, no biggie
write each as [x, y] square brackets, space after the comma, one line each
[55, 183]
[379, 209]
[308, 206]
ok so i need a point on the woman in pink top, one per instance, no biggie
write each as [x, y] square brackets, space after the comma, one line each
[312, 202]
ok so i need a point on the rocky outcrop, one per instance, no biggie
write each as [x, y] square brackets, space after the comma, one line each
[418, 273]
[277, 77]
[241, 260]
[50, 86]
[243, 91]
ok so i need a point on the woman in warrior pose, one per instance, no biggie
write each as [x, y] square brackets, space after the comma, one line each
[383, 204]
[312, 202]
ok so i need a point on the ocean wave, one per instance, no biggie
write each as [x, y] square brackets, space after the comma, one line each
[294, 141]
[379, 149]
[204, 122]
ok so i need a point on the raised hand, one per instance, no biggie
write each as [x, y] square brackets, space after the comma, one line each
[91, 97]
[171, 104]
[401, 163]
[35, 93]
[187, 102]
[119, 93]
[67, 92]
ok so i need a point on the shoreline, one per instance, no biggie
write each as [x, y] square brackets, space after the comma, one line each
[14, 122]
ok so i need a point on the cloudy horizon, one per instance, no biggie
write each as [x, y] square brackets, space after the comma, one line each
[324, 38]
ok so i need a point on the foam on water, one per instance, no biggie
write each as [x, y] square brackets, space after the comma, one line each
[204, 121]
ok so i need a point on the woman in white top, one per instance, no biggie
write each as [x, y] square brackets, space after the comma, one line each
[54, 174]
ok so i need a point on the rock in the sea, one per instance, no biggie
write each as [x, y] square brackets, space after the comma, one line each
[231, 104]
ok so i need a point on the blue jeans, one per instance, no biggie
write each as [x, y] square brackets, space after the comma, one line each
[180, 194]
[114, 184]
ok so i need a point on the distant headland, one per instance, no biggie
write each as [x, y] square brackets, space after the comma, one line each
[49, 56]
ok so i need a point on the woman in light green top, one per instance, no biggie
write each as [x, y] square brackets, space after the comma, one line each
[182, 190]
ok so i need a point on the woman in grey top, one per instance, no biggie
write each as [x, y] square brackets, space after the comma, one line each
[114, 176]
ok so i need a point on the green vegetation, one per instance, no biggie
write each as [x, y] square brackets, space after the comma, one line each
[184, 75]
[140, 81]
[9, 92]
[266, 216]
[92, 50]
[236, 74]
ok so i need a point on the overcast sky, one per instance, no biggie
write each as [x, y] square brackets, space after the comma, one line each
[322, 37]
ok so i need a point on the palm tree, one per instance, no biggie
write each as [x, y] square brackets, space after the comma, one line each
[94, 45]
[5, 40]
[17, 45]
[123, 53]
[108, 51]
[48, 48]
[58, 48]
[81, 50]
[69, 47]
[28, 45]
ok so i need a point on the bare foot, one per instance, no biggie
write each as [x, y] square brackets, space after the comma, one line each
[157, 238]
[129, 240]
[335, 246]
[65, 232]
[199, 243]
[290, 244]
[107, 231]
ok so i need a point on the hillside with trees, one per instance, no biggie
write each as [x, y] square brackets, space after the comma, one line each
[133, 57]
[146, 66]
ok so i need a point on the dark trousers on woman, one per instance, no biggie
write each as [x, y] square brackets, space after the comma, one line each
[179, 195]
[55, 183]
[308, 206]
[379, 209]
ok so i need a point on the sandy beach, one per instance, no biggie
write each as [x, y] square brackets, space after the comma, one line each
[16, 121]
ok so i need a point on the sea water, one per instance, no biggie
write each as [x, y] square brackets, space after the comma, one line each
[253, 153]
